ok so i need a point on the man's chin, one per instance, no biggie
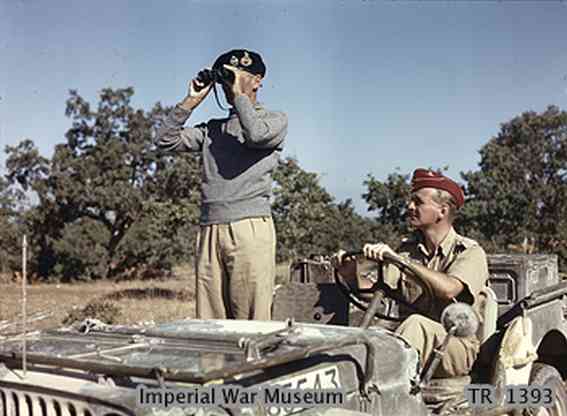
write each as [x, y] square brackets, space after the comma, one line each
[413, 221]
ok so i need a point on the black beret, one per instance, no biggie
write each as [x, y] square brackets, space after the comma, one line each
[242, 59]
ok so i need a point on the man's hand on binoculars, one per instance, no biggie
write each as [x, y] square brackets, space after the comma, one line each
[244, 82]
[197, 93]
[198, 89]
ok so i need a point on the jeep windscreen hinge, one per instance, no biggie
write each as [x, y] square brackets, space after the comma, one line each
[254, 346]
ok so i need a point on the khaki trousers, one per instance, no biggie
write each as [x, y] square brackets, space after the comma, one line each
[236, 269]
[425, 335]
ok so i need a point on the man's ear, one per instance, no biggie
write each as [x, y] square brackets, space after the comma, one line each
[444, 211]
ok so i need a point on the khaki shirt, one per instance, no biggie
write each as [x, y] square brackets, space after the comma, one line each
[456, 256]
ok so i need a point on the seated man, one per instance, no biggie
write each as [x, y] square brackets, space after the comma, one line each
[453, 267]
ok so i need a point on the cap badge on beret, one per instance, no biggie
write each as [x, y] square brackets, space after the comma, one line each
[246, 60]
[243, 59]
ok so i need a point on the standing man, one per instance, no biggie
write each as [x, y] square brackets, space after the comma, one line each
[453, 267]
[236, 243]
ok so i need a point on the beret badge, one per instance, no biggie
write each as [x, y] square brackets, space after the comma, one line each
[243, 59]
[246, 60]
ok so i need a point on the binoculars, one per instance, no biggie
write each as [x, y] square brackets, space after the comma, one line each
[218, 75]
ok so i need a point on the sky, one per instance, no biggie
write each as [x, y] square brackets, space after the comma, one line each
[369, 86]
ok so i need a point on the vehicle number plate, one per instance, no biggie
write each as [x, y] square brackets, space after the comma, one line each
[323, 379]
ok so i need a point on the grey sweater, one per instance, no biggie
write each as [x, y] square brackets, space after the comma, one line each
[238, 155]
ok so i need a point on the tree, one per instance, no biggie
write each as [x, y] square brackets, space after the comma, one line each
[300, 205]
[107, 180]
[389, 199]
[520, 190]
[30, 171]
[10, 227]
[307, 219]
[350, 229]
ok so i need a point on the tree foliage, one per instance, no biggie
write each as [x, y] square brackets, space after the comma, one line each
[108, 204]
[308, 220]
[520, 190]
[105, 182]
[388, 200]
[10, 227]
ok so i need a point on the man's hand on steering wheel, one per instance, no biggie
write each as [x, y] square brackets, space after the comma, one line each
[346, 267]
[377, 251]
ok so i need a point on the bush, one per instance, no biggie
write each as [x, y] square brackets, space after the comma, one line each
[105, 311]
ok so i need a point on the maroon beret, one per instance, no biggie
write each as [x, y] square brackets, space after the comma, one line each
[425, 178]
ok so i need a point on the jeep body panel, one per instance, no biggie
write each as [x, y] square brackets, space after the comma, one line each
[377, 370]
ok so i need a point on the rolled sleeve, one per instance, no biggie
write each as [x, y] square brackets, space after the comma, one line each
[173, 137]
[470, 268]
[264, 132]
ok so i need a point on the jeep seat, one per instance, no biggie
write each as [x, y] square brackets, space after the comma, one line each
[489, 314]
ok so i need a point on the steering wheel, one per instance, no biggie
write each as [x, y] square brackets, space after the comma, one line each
[355, 294]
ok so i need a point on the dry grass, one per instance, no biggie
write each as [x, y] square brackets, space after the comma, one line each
[127, 302]
[124, 302]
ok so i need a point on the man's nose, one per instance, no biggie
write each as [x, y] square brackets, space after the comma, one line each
[411, 205]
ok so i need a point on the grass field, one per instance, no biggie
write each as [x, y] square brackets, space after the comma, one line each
[130, 302]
